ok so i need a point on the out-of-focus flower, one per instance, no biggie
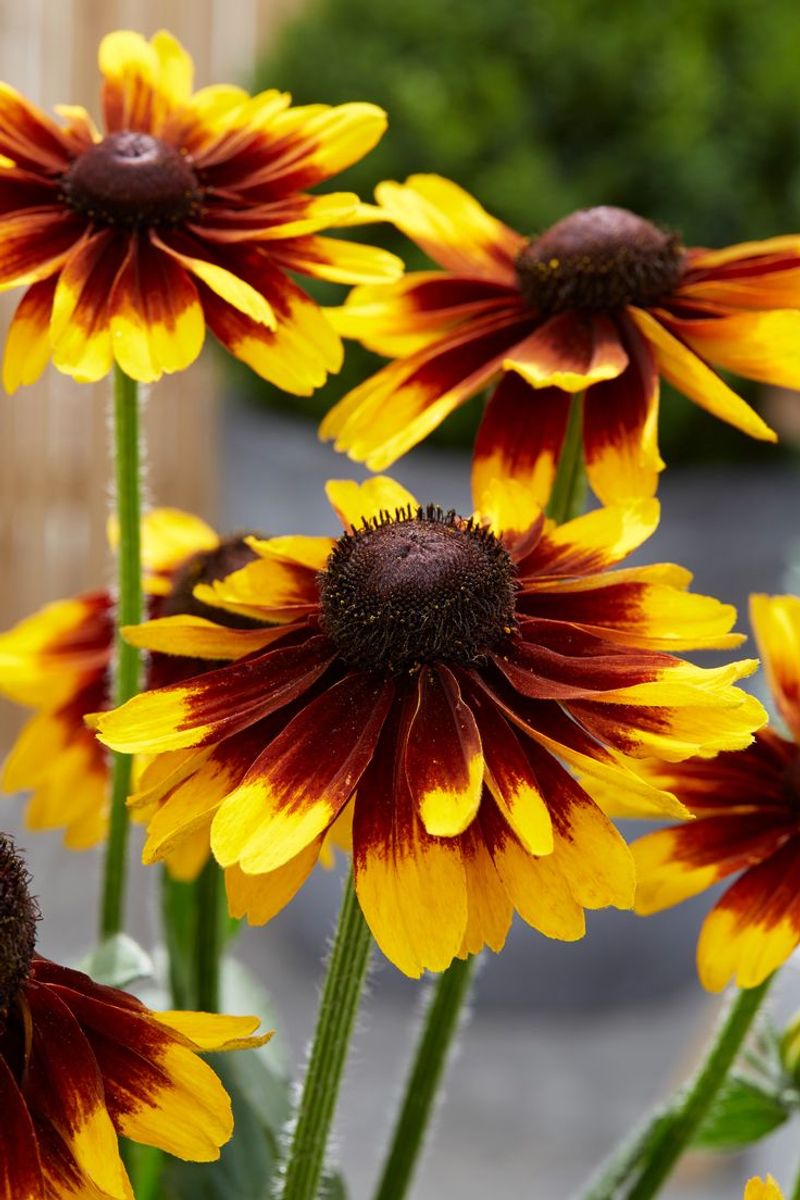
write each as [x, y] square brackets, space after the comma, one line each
[58, 662]
[431, 675]
[81, 1063]
[762, 1189]
[603, 302]
[747, 810]
[190, 210]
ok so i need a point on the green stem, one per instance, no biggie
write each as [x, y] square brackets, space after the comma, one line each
[621, 1166]
[678, 1130]
[208, 943]
[569, 489]
[129, 612]
[439, 1027]
[347, 970]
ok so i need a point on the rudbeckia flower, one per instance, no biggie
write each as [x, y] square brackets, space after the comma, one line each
[58, 662]
[431, 679]
[603, 302]
[747, 810]
[189, 210]
[81, 1063]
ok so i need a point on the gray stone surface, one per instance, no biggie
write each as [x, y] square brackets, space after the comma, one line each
[568, 1045]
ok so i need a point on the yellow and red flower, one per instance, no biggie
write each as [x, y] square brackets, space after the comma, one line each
[82, 1063]
[747, 810]
[603, 302]
[58, 662]
[429, 679]
[190, 210]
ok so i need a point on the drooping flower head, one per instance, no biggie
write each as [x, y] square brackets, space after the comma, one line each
[431, 678]
[747, 810]
[188, 210]
[58, 662]
[81, 1064]
[604, 302]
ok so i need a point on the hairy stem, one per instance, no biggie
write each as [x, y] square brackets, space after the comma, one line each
[126, 660]
[344, 982]
[439, 1026]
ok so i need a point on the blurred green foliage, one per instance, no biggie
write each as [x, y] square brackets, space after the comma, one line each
[687, 111]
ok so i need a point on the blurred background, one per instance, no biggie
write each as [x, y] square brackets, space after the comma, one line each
[687, 111]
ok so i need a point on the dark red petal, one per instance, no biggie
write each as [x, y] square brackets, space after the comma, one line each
[64, 1086]
[236, 696]
[587, 664]
[520, 437]
[620, 426]
[35, 243]
[443, 754]
[20, 1165]
[296, 788]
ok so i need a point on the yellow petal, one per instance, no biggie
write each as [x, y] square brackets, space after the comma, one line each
[261, 897]
[681, 367]
[196, 637]
[451, 226]
[747, 950]
[312, 552]
[507, 507]
[776, 623]
[214, 1032]
[358, 503]
[233, 290]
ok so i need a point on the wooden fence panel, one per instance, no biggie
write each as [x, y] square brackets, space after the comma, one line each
[54, 470]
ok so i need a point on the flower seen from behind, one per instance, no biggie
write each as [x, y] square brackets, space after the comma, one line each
[81, 1064]
[747, 823]
[603, 302]
[432, 680]
[189, 210]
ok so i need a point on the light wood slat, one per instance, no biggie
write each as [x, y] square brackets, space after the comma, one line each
[54, 436]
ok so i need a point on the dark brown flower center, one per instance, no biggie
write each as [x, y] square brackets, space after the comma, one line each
[205, 567]
[419, 587]
[599, 259]
[19, 913]
[132, 179]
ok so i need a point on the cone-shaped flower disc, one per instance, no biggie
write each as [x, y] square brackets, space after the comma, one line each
[747, 810]
[435, 678]
[81, 1063]
[189, 210]
[604, 303]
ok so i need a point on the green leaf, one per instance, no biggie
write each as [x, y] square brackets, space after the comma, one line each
[117, 962]
[242, 994]
[742, 1113]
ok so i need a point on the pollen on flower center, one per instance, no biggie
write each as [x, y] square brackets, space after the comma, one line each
[599, 259]
[421, 586]
[19, 913]
[132, 179]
